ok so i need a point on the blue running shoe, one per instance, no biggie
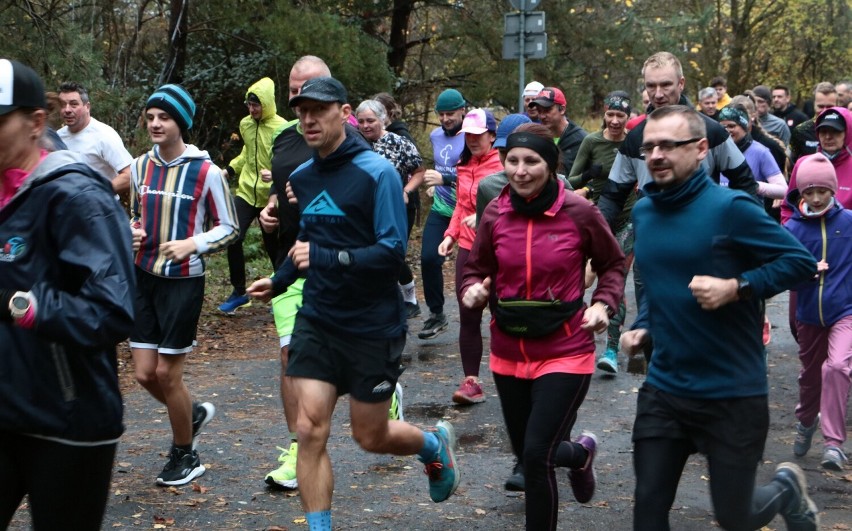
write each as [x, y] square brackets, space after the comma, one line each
[443, 473]
[608, 362]
[229, 307]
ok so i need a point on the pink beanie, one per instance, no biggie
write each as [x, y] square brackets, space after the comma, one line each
[816, 171]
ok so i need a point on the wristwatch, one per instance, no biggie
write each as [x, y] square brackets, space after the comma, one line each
[19, 304]
[744, 291]
[345, 258]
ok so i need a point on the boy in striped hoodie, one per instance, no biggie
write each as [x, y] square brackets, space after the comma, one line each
[181, 209]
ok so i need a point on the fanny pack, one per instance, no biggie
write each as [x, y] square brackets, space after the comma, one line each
[525, 318]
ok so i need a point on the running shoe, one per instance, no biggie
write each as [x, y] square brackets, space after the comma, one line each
[395, 412]
[469, 392]
[833, 458]
[229, 307]
[412, 310]
[609, 362]
[285, 475]
[800, 513]
[583, 480]
[434, 325]
[517, 481]
[804, 436]
[443, 473]
[181, 468]
[202, 414]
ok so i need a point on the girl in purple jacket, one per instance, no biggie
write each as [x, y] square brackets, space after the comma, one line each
[823, 310]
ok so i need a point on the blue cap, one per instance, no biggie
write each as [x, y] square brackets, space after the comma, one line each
[507, 125]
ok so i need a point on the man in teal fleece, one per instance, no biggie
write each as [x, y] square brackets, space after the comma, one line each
[708, 255]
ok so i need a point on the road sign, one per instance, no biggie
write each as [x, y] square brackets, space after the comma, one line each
[533, 22]
[527, 4]
[535, 46]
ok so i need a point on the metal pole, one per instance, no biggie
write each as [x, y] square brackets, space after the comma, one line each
[521, 73]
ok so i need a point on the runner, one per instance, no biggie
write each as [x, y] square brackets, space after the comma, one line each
[350, 331]
[181, 209]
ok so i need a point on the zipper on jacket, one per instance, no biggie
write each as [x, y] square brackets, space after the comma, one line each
[528, 263]
[256, 169]
[63, 372]
[822, 273]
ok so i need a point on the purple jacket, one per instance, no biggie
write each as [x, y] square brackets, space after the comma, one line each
[828, 297]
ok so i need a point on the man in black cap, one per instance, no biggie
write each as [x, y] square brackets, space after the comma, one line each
[550, 104]
[350, 331]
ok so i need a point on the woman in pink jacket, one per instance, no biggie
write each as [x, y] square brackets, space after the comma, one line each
[478, 160]
[530, 251]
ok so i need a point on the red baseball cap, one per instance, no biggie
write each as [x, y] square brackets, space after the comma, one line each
[548, 97]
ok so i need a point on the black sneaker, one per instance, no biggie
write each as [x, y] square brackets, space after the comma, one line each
[516, 481]
[202, 414]
[412, 310]
[434, 325]
[182, 468]
[800, 513]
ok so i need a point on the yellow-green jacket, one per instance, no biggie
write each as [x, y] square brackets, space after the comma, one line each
[257, 145]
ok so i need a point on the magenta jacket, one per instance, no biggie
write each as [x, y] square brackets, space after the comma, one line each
[543, 258]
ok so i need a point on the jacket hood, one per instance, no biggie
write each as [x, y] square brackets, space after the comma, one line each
[55, 161]
[190, 153]
[264, 89]
[847, 117]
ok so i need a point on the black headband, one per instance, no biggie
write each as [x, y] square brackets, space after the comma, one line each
[545, 148]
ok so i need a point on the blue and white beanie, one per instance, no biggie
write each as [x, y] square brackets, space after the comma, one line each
[175, 100]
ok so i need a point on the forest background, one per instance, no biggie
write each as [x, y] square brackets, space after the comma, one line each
[122, 50]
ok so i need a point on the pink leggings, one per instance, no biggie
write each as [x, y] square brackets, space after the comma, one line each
[824, 381]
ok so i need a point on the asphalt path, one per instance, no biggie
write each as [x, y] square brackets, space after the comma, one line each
[236, 367]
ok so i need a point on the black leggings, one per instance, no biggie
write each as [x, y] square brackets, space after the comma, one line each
[539, 415]
[67, 485]
[737, 505]
[247, 213]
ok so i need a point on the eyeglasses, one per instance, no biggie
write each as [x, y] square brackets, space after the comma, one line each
[666, 146]
[252, 105]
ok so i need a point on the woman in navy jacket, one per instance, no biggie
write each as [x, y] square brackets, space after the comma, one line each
[65, 301]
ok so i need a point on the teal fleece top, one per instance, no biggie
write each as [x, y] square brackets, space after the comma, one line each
[699, 228]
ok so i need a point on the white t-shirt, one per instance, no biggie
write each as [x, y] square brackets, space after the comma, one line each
[100, 146]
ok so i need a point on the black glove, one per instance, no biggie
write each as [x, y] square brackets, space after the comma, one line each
[5, 298]
[592, 173]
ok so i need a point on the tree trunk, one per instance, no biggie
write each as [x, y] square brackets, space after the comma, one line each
[173, 70]
[398, 41]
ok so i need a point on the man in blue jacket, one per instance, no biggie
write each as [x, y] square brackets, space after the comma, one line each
[350, 331]
[709, 256]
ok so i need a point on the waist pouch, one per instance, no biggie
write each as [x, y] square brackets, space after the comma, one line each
[525, 318]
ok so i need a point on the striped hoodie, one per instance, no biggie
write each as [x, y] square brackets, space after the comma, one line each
[187, 197]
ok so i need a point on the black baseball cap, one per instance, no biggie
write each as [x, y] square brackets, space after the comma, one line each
[831, 118]
[20, 86]
[325, 89]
